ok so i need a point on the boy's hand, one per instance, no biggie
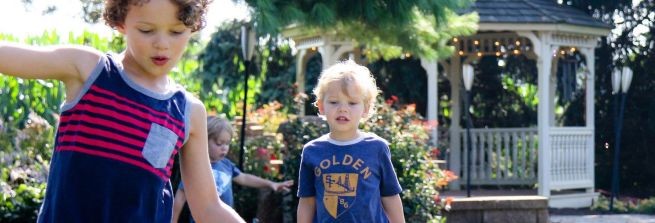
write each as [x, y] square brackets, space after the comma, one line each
[284, 186]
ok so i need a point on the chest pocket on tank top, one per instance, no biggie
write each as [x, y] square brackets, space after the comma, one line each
[159, 145]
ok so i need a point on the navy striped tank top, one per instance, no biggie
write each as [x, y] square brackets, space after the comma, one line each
[114, 151]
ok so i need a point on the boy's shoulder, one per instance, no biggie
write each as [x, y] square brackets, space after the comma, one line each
[373, 138]
[366, 138]
[317, 142]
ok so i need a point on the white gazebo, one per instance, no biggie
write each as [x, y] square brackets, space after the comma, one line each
[559, 159]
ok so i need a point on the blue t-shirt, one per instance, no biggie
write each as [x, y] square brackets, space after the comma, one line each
[348, 179]
[223, 170]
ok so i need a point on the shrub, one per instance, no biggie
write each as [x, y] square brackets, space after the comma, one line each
[24, 170]
[644, 206]
[260, 150]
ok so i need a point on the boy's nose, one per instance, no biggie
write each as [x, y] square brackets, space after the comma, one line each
[160, 42]
[342, 108]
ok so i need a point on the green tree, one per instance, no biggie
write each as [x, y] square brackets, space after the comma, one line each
[388, 28]
[625, 47]
[221, 72]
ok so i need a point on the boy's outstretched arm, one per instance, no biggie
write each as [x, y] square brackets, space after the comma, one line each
[178, 205]
[199, 186]
[306, 209]
[65, 63]
[250, 180]
[393, 207]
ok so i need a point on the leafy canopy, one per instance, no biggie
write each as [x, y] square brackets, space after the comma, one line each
[387, 28]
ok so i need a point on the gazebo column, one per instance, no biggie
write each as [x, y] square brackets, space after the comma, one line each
[331, 52]
[300, 78]
[455, 159]
[589, 54]
[432, 71]
[544, 65]
[552, 88]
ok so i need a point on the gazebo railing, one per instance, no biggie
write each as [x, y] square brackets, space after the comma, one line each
[501, 156]
[571, 153]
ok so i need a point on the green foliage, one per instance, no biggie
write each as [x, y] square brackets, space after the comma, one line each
[222, 72]
[21, 97]
[388, 28]
[261, 148]
[624, 47]
[418, 175]
[642, 206]
[516, 106]
[259, 152]
[23, 169]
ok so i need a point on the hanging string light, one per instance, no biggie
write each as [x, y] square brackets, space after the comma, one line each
[500, 46]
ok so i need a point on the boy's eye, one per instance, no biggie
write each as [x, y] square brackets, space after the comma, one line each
[332, 102]
[177, 32]
[146, 31]
[353, 103]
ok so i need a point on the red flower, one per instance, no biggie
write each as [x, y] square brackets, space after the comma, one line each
[267, 169]
[442, 183]
[436, 199]
[450, 176]
[273, 157]
[261, 152]
[435, 152]
[394, 98]
[411, 108]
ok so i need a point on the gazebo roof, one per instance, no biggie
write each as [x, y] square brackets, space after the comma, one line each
[546, 12]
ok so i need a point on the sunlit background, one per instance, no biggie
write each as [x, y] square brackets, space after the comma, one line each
[23, 19]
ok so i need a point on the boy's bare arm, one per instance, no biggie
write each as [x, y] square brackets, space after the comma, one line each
[250, 180]
[199, 185]
[70, 64]
[393, 207]
[178, 205]
[47, 62]
[306, 209]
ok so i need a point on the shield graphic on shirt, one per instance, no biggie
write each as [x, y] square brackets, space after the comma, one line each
[340, 192]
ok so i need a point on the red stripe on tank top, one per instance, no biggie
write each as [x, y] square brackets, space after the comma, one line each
[128, 101]
[122, 117]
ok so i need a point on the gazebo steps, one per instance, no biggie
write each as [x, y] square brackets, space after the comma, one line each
[573, 200]
[498, 209]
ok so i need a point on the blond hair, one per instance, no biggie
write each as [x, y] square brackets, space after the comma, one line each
[216, 125]
[348, 73]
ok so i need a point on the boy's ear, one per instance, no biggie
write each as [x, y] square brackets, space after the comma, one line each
[121, 29]
[319, 105]
[366, 110]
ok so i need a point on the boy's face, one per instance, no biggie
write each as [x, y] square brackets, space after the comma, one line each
[343, 110]
[219, 146]
[155, 37]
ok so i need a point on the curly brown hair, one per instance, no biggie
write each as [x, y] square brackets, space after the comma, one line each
[191, 12]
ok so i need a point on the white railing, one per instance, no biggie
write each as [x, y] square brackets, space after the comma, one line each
[501, 156]
[571, 153]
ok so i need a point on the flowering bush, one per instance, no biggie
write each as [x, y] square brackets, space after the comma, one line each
[262, 157]
[411, 155]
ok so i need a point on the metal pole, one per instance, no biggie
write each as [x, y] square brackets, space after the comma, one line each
[617, 152]
[469, 125]
[243, 115]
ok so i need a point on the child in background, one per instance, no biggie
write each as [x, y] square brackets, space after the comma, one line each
[347, 175]
[124, 120]
[219, 133]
